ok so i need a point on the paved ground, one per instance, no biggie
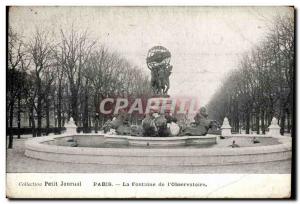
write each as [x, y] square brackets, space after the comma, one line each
[18, 162]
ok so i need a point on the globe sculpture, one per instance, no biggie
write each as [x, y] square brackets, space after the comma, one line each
[158, 61]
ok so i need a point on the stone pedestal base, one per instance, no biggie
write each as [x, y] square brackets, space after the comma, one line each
[226, 128]
[274, 132]
[226, 132]
[70, 126]
[71, 130]
[274, 128]
[161, 104]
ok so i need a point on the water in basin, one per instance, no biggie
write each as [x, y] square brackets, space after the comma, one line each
[97, 141]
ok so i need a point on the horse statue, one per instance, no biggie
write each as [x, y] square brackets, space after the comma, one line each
[201, 126]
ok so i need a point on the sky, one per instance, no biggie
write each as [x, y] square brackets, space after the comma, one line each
[206, 43]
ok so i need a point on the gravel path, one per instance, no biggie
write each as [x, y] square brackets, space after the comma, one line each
[18, 162]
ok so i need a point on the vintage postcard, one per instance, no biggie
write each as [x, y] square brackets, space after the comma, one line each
[150, 102]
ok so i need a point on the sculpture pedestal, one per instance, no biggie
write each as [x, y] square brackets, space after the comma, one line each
[226, 132]
[71, 127]
[274, 128]
[161, 104]
[226, 128]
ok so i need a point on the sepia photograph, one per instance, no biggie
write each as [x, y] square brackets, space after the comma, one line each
[150, 101]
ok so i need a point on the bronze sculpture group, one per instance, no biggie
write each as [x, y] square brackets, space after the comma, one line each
[158, 61]
[156, 124]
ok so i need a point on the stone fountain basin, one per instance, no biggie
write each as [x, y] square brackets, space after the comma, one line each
[39, 148]
[160, 141]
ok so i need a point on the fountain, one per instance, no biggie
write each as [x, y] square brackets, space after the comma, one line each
[159, 139]
[159, 127]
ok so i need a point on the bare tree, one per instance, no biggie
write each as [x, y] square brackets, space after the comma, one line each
[262, 87]
[15, 78]
[67, 78]
[40, 51]
[76, 48]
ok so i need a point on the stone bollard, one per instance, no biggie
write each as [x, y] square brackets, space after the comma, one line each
[274, 128]
[71, 127]
[226, 128]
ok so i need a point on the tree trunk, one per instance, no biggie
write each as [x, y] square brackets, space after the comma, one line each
[47, 116]
[96, 123]
[289, 122]
[11, 117]
[63, 119]
[282, 121]
[33, 127]
[33, 122]
[252, 122]
[237, 123]
[86, 110]
[248, 123]
[39, 109]
[74, 111]
[90, 121]
[29, 120]
[236, 113]
[257, 122]
[263, 129]
[19, 116]
[59, 121]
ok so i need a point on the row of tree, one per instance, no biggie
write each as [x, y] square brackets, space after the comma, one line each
[62, 78]
[263, 85]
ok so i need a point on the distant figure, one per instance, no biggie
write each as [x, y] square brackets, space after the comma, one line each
[233, 145]
[255, 140]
